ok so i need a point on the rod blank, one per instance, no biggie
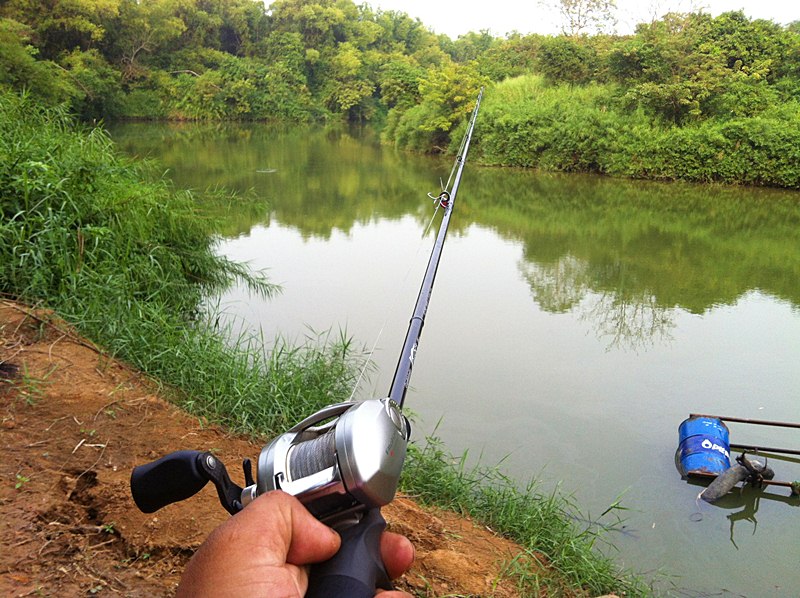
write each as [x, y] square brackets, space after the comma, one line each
[402, 374]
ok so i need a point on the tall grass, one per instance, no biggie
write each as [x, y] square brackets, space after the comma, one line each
[543, 523]
[526, 122]
[128, 260]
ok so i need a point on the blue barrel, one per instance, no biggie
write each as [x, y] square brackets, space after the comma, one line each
[703, 446]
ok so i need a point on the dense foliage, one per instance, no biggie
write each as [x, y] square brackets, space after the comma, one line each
[687, 96]
[526, 122]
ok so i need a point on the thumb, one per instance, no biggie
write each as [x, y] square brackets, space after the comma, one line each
[307, 539]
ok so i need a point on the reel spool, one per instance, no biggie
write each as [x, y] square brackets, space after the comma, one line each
[341, 461]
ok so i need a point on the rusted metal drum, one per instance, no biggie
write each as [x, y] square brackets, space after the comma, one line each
[703, 446]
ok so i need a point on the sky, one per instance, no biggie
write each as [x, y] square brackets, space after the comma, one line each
[456, 17]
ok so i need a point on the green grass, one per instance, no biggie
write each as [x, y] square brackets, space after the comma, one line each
[590, 128]
[542, 522]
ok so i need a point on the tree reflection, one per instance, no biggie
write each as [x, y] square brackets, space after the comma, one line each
[630, 320]
[641, 246]
[560, 287]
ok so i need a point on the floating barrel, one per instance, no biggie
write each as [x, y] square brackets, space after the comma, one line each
[703, 446]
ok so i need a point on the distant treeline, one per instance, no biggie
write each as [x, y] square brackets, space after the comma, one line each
[688, 96]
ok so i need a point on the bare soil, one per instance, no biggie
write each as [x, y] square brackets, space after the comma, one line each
[74, 424]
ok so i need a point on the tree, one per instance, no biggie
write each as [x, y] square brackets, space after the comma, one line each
[584, 16]
[401, 33]
[510, 57]
[566, 60]
[399, 81]
[472, 45]
[97, 84]
[693, 66]
[451, 90]
[19, 68]
[60, 25]
[347, 84]
[144, 27]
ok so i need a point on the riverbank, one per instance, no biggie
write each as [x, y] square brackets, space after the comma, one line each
[75, 422]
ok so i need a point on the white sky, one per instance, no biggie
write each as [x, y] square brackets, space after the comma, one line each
[455, 17]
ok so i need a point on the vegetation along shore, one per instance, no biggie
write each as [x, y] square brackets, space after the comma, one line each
[687, 96]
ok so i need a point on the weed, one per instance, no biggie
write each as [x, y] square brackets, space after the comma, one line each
[540, 522]
[21, 481]
[29, 387]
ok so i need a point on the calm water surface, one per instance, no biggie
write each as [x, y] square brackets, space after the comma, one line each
[575, 323]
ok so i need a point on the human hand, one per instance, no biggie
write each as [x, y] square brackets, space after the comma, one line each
[264, 550]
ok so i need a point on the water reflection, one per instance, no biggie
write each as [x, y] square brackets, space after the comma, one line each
[674, 245]
[656, 246]
[630, 323]
[316, 179]
[748, 500]
[626, 255]
[622, 320]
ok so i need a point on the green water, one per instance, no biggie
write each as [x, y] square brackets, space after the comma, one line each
[575, 322]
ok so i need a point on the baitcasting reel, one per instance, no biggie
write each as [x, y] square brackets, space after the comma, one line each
[341, 467]
[340, 462]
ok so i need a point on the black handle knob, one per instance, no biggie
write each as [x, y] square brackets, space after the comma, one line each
[172, 478]
[357, 569]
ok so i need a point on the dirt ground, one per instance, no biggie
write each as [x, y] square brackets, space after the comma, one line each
[74, 424]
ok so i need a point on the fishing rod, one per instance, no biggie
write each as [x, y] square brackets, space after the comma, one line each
[343, 462]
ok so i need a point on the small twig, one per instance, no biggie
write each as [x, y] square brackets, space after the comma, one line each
[96, 461]
[77, 446]
[44, 546]
[55, 421]
[184, 72]
[96, 546]
[53, 344]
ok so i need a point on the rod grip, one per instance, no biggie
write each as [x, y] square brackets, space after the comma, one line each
[172, 478]
[357, 569]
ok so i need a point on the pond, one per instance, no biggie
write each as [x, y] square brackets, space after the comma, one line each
[576, 321]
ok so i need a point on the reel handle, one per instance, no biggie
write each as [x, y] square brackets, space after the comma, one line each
[357, 569]
[180, 475]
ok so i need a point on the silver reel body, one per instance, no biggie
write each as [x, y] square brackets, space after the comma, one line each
[342, 460]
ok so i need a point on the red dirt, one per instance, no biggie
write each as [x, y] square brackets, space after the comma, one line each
[74, 424]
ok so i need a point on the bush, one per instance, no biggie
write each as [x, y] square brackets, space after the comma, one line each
[526, 123]
[751, 151]
[20, 69]
[144, 104]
